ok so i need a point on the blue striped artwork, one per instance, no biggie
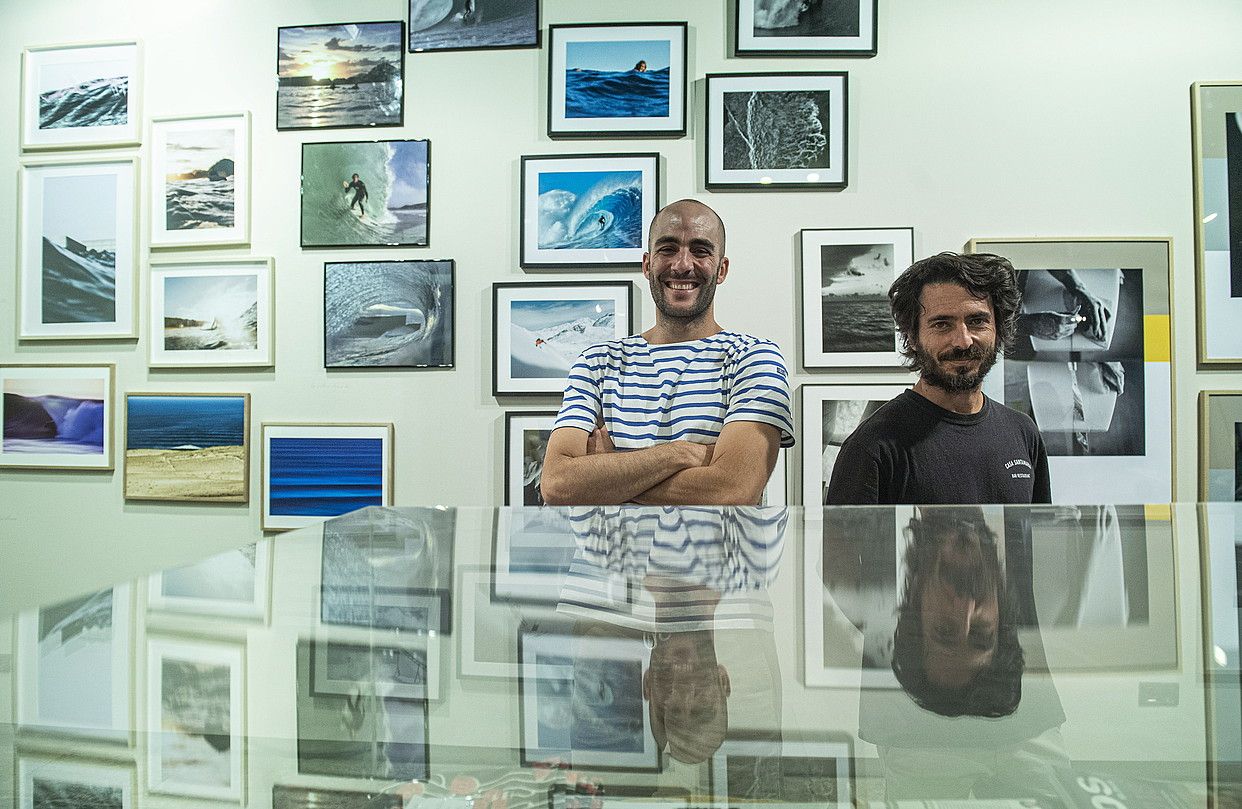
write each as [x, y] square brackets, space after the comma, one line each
[324, 477]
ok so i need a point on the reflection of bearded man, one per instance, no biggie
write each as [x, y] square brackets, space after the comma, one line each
[687, 691]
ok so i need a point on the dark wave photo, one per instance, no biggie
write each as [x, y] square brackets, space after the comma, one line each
[469, 24]
[56, 794]
[75, 94]
[79, 221]
[776, 129]
[388, 313]
[199, 185]
[854, 282]
[805, 18]
[625, 79]
[54, 416]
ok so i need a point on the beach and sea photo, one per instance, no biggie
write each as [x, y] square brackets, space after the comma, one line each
[365, 193]
[81, 95]
[388, 314]
[316, 471]
[56, 416]
[340, 75]
[440, 25]
[187, 446]
[200, 181]
[213, 313]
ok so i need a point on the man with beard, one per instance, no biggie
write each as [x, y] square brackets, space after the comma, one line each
[944, 441]
[684, 413]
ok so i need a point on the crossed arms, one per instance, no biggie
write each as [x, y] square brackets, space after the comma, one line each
[582, 468]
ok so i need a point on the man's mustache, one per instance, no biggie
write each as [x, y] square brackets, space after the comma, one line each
[975, 352]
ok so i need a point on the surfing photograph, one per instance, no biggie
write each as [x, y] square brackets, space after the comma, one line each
[187, 447]
[388, 314]
[806, 27]
[365, 193]
[617, 79]
[455, 25]
[340, 75]
[82, 95]
[200, 181]
[56, 416]
[210, 313]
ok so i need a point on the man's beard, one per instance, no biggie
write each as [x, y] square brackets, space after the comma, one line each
[706, 291]
[955, 381]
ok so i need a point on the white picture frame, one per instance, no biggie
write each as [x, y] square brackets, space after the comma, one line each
[532, 569]
[81, 82]
[223, 336]
[45, 390]
[109, 784]
[207, 588]
[487, 630]
[193, 195]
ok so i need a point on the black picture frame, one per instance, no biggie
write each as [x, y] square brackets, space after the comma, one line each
[511, 485]
[504, 384]
[320, 195]
[536, 34]
[352, 124]
[861, 45]
[563, 126]
[835, 149]
[445, 319]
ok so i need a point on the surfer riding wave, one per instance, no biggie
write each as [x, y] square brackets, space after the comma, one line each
[360, 194]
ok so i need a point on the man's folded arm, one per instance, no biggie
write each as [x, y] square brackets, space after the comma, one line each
[573, 476]
[741, 463]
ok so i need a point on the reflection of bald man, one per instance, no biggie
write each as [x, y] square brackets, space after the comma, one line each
[684, 412]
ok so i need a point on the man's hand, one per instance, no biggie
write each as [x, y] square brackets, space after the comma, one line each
[1051, 325]
[599, 441]
[1096, 313]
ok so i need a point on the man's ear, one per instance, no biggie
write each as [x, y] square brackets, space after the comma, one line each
[722, 270]
[647, 265]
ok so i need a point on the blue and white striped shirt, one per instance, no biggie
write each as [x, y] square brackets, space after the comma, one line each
[650, 394]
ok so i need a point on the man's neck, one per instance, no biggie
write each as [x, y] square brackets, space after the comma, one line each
[966, 402]
[671, 330]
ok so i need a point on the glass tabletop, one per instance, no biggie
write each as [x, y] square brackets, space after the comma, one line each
[597, 657]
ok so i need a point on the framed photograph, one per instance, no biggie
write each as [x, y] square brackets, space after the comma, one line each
[284, 797]
[776, 493]
[233, 584]
[1102, 396]
[77, 234]
[587, 210]
[84, 95]
[526, 442]
[339, 179]
[405, 670]
[830, 414]
[47, 782]
[389, 569]
[385, 737]
[811, 773]
[532, 550]
[389, 314]
[200, 181]
[315, 471]
[846, 273]
[344, 75]
[188, 447]
[540, 329]
[461, 25]
[486, 629]
[195, 704]
[57, 416]
[1220, 445]
[607, 796]
[805, 28]
[73, 667]
[776, 131]
[1220, 534]
[212, 313]
[1216, 123]
[560, 723]
[617, 80]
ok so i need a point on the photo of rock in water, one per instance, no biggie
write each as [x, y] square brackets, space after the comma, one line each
[195, 741]
[619, 79]
[468, 24]
[340, 75]
[854, 282]
[79, 224]
[365, 193]
[806, 18]
[388, 314]
[199, 185]
[186, 447]
[84, 94]
[210, 312]
[53, 416]
[776, 129]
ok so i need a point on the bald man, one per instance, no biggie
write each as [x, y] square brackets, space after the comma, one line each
[684, 413]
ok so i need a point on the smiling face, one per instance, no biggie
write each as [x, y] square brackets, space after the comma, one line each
[686, 260]
[956, 340]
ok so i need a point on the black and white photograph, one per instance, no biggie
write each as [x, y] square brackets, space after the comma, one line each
[344, 75]
[1216, 127]
[394, 314]
[289, 797]
[526, 442]
[68, 783]
[776, 130]
[194, 717]
[73, 667]
[830, 414]
[532, 550]
[811, 773]
[406, 670]
[1220, 445]
[780, 28]
[582, 700]
[389, 569]
[211, 313]
[359, 735]
[617, 796]
[846, 274]
[86, 95]
[200, 181]
[461, 25]
[233, 584]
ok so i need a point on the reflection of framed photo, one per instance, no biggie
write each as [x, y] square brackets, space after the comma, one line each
[776, 131]
[315, 471]
[332, 76]
[814, 28]
[587, 210]
[460, 26]
[846, 273]
[526, 442]
[73, 667]
[73, 782]
[366, 193]
[1216, 121]
[608, 796]
[233, 584]
[405, 670]
[1221, 563]
[563, 718]
[213, 313]
[83, 95]
[1102, 395]
[818, 773]
[284, 797]
[392, 314]
[617, 80]
[541, 328]
[195, 704]
[487, 630]
[57, 416]
[77, 231]
[200, 181]
[531, 554]
[1220, 445]
[830, 413]
[188, 447]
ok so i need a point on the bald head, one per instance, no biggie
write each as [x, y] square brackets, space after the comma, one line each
[684, 209]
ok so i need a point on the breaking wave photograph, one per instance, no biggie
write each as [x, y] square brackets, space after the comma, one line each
[776, 130]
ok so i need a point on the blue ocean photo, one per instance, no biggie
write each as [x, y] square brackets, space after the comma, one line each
[54, 416]
[185, 447]
[339, 75]
[199, 183]
[324, 477]
[84, 94]
[385, 204]
[628, 79]
[590, 209]
[79, 223]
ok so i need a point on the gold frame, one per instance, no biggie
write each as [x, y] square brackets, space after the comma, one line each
[1204, 434]
[110, 416]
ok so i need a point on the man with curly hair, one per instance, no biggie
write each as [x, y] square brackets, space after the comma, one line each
[944, 441]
